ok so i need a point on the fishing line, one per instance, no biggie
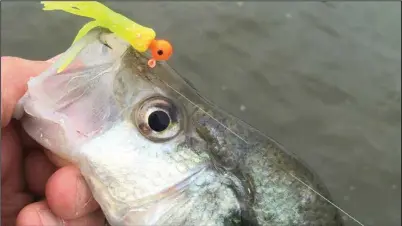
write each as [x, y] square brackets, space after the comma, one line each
[207, 114]
[298, 179]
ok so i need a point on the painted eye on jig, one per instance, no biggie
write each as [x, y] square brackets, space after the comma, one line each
[160, 50]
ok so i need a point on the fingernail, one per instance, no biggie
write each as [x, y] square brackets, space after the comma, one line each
[83, 196]
[49, 219]
[58, 161]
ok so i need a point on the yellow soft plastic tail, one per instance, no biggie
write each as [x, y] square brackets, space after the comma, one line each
[139, 37]
[89, 9]
[83, 31]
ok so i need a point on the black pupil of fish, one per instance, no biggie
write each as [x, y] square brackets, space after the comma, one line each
[160, 52]
[158, 121]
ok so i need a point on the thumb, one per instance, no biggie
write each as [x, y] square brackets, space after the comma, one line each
[15, 73]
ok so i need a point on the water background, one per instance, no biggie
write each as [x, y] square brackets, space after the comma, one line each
[324, 79]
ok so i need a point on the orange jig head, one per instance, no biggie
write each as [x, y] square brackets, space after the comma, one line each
[160, 50]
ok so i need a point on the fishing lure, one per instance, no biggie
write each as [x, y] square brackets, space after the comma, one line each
[139, 37]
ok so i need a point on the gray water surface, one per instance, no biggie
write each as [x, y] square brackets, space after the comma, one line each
[324, 79]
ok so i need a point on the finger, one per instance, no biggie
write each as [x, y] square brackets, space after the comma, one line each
[68, 195]
[38, 170]
[27, 142]
[54, 59]
[56, 160]
[11, 205]
[15, 73]
[39, 214]
[11, 159]
[94, 219]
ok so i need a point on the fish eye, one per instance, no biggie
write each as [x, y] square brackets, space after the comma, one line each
[158, 119]
[160, 52]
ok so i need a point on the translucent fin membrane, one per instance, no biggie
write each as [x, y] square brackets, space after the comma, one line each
[54, 103]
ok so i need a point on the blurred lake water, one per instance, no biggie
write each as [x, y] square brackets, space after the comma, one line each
[322, 78]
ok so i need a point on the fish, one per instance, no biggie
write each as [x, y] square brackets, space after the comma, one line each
[140, 37]
[154, 151]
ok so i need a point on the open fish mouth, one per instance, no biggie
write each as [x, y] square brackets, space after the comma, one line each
[155, 152]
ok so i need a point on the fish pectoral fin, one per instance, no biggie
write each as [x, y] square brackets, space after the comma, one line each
[85, 29]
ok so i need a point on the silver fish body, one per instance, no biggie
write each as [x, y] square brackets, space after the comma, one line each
[154, 152]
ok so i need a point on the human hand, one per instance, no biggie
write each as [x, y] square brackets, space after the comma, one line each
[29, 172]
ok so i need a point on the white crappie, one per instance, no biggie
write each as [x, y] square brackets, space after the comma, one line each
[154, 152]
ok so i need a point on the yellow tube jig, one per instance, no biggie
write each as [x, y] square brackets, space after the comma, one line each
[139, 37]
